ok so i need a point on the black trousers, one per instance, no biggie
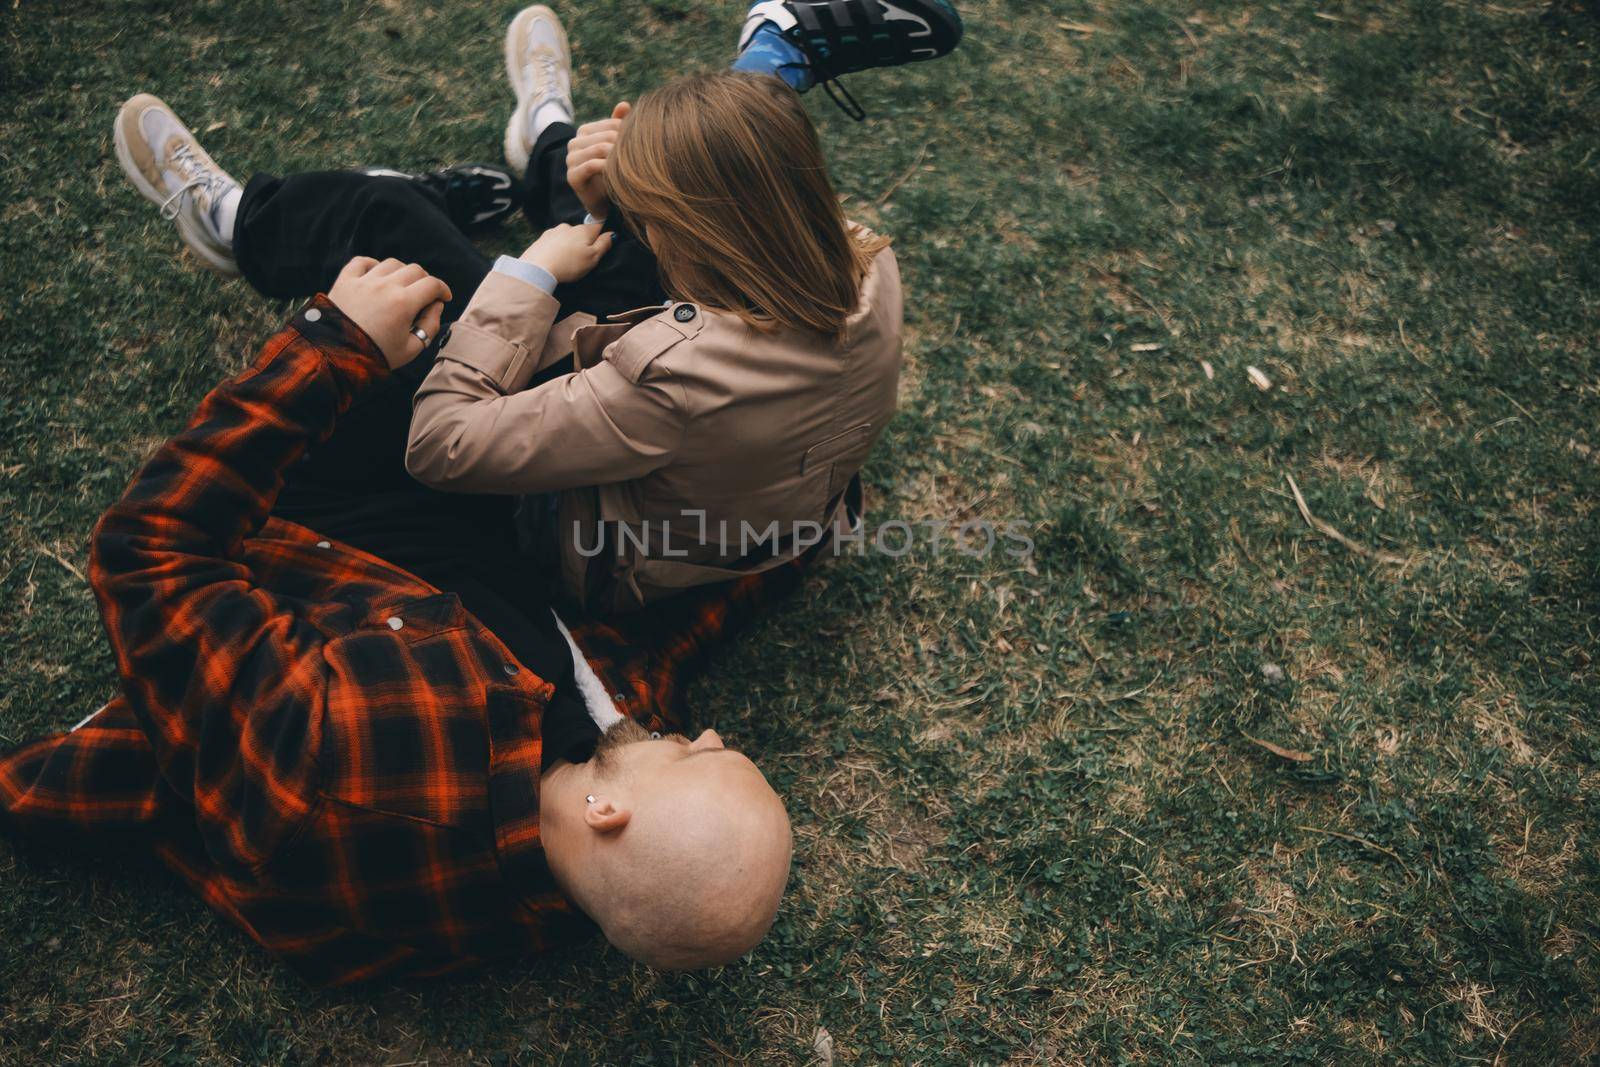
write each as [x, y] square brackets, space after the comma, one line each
[292, 237]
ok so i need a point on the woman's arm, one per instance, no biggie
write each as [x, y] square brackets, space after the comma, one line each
[472, 431]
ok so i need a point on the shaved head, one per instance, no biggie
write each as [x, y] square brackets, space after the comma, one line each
[688, 850]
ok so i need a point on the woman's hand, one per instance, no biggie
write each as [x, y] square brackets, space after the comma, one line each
[568, 252]
[388, 300]
[586, 160]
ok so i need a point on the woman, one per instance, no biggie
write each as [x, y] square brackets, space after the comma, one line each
[715, 436]
[690, 443]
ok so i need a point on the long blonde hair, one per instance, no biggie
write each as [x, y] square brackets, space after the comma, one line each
[724, 176]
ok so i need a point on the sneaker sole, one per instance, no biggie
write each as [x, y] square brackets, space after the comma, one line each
[945, 27]
[214, 261]
[516, 144]
[941, 30]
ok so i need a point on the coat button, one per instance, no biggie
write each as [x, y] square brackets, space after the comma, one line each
[685, 313]
[509, 668]
[324, 544]
[394, 622]
[620, 698]
[315, 314]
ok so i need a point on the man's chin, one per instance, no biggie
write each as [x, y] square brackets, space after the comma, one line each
[625, 732]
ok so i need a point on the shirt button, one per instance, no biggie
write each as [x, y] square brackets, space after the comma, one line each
[685, 313]
[315, 314]
[324, 544]
[655, 735]
[394, 622]
[509, 668]
[620, 698]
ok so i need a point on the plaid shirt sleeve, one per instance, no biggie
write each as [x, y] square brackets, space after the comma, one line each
[226, 681]
[650, 658]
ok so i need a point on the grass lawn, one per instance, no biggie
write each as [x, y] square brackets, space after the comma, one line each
[1203, 782]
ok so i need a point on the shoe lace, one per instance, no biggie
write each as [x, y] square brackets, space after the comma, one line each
[545, 65]
[821, 74]
[842, 99]
[197, 176]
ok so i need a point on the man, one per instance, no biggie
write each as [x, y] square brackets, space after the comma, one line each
[345, 716]
[342, 759]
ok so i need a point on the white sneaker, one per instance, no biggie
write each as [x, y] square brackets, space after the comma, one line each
[165, 163]
[539, 64]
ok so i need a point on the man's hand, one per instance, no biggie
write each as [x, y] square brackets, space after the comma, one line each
[586, 160]
[387, 300]
[568, 252]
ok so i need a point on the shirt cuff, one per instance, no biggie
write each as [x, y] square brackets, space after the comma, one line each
[353, 354]
[524, 271]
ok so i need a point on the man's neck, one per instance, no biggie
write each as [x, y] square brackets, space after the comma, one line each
[559, 778]
[561, 791]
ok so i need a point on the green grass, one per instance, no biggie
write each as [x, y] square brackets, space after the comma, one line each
[1032, 826]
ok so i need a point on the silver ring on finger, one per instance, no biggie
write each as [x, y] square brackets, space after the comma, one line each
[420, 334]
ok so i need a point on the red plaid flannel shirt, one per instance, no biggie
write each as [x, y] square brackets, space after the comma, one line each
[329, 750]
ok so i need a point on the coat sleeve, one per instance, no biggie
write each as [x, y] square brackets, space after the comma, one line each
[474, 430]
[227, 681]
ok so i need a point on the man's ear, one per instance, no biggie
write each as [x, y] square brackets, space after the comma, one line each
[606, 816]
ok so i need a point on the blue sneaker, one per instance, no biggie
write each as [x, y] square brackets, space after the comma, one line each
[831, 38]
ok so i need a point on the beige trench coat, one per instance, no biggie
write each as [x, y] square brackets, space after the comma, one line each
[683, 431]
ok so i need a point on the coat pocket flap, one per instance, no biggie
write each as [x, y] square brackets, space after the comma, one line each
[839, 444]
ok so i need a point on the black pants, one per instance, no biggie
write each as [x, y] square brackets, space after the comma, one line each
[292, 237]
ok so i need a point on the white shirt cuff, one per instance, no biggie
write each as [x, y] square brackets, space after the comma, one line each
[523, 271]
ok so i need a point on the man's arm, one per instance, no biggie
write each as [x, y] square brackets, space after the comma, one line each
[226, 680]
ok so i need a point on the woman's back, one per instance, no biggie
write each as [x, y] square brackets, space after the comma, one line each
[777, 425]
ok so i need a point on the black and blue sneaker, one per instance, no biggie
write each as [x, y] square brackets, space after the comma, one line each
[475, 194]
[808, 42]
